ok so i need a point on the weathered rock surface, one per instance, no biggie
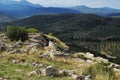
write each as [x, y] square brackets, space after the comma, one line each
[49, 71]
[2, 46]
[78, 77]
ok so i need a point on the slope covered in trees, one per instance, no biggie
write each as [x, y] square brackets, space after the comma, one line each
[83, 32]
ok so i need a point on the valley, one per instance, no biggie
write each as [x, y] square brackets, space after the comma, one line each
[59, 40]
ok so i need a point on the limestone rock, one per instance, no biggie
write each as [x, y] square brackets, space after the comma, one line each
[88, 77]
[2, 46]
[18, 44]
[71, 72]
[100, 59]
[41, 40]
[78, 77]
[49, 71]
[89, 55]
[34, 72]
[63, 72]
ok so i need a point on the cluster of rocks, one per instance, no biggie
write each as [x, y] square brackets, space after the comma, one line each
[53, 72]
[2, 46]
[81, 77]
[5, 79]
[36, 40]
[91, 58]
[37, 65]
[15, 61]
[40, 40]
[36, 72]
[115, 67]
[48, 71]
[3, 37]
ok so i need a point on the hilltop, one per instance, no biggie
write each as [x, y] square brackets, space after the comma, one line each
[43, 57]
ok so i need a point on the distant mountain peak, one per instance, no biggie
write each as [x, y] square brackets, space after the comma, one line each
[22, 2]
[82, 6]
[18, 0]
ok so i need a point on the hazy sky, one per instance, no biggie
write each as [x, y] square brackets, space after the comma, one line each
[68, 3]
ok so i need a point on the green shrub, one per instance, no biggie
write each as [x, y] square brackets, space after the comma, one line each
[50, 34]
[15, 33]
[32, 30]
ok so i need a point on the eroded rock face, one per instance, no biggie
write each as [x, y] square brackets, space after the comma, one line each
[2, 46]
[49, 71]
[18, 44]
[42, 40]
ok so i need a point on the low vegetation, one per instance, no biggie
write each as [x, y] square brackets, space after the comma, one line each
[15, 33]
[100, 71]
[32, 30]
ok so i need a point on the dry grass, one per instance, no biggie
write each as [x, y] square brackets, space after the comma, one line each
[60, 44]
[100, 72]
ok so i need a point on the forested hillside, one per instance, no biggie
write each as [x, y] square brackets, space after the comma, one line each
[83, 32]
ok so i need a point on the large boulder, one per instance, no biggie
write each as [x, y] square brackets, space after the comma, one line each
[49, 71]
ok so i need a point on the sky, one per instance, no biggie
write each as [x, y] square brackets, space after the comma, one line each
[70, 3]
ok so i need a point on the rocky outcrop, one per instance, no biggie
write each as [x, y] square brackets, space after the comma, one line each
[90, 57]
[40, 39]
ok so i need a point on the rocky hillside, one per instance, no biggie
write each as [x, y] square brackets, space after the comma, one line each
[44, 57]
[82, 32]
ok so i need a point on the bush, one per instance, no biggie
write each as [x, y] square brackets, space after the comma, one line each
[15, 33]
[32, 30]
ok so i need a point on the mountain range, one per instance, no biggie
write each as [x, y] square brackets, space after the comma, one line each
[22, 9]
[14, 10]
[98, 11]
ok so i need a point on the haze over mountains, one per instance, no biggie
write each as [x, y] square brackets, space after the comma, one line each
[23, 8]
[13, 10]
[98, 11]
